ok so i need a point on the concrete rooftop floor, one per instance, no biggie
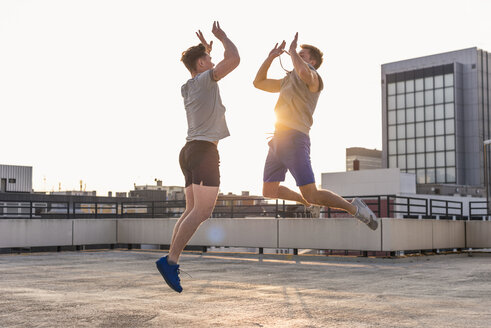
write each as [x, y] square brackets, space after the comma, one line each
[121, 288]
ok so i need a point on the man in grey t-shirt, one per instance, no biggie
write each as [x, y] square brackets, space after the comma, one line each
[199, 157]
[289, 149]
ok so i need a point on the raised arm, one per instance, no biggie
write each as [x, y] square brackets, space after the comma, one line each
[231, 58]
[261, 81]
[303, 70]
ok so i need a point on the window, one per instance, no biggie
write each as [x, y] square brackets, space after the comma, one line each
[450, 158]
[401, 147]
[410, 131]
[401, 161]
[420, 98]
[420, 114]
[430, 159]
[430, 144]
[428, 82]
[392, 161]
[449, 80]
[439, 112]
[450, 175]
[410, 115]
[450, 142]
[401, 116]
[392, 117]
[420, 145]
[391, 88]
[410, 86]
[11, 180]
[391, 103]
[401, 131]
[392, 147]
[411, 161]
[438, 96]
[439, 128]
[440, 143]
[429, 113]
[440, 175]
[420, 129]
[410, 99]
[439, 81]
[419, 84]
[449, 94]
[430, 128]
[430, 176]
[420, 176]
[392, 132]
[440, 159]
[449, 126]
[400, 87]
[400, 101]
[429, 97]
[410, 146]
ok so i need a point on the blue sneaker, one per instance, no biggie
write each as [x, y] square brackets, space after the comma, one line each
[170, 273]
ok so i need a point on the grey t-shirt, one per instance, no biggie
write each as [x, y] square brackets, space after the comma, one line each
[296, 104]
[204, 109]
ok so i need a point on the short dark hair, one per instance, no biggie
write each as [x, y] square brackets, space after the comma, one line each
[190, 56]
[315, 54]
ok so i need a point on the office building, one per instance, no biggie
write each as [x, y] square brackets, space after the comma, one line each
[435, 116]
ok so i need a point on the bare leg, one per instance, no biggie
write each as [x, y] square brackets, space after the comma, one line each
[327, 198]
[204, 201]
[274, 190]
[189, 206]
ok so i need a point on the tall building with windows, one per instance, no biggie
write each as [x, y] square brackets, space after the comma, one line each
[435, 116]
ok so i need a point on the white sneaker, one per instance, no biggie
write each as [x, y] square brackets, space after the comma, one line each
[365, 214]
[314, 210]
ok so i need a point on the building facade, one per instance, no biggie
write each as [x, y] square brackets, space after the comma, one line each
[358, 158]
[15, 178]
[436, 115]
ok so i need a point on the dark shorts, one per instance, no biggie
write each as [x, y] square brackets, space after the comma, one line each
[200, 162]
[289, 150]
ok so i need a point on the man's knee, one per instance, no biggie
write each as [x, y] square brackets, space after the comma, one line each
[204, 212]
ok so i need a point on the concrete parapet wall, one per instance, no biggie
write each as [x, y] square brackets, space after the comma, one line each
[347, 234]
[448, 234]
[98, 231]
[478, 234]
[35, 232]
[414, 234]
[145, 231]
[406, 234]
[248, 232]
[344, 234]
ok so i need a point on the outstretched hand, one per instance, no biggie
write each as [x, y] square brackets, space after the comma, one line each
[218, 32]
[293, 45]
[208, 46]
[276, 51]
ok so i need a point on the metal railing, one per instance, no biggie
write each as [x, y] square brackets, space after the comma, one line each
[34, 209]
[381, 205]
[478, 210]
[408, 207]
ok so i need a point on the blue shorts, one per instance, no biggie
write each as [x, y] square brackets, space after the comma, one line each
[289, 150]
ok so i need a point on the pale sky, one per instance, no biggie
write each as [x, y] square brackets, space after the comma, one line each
[90, 90]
